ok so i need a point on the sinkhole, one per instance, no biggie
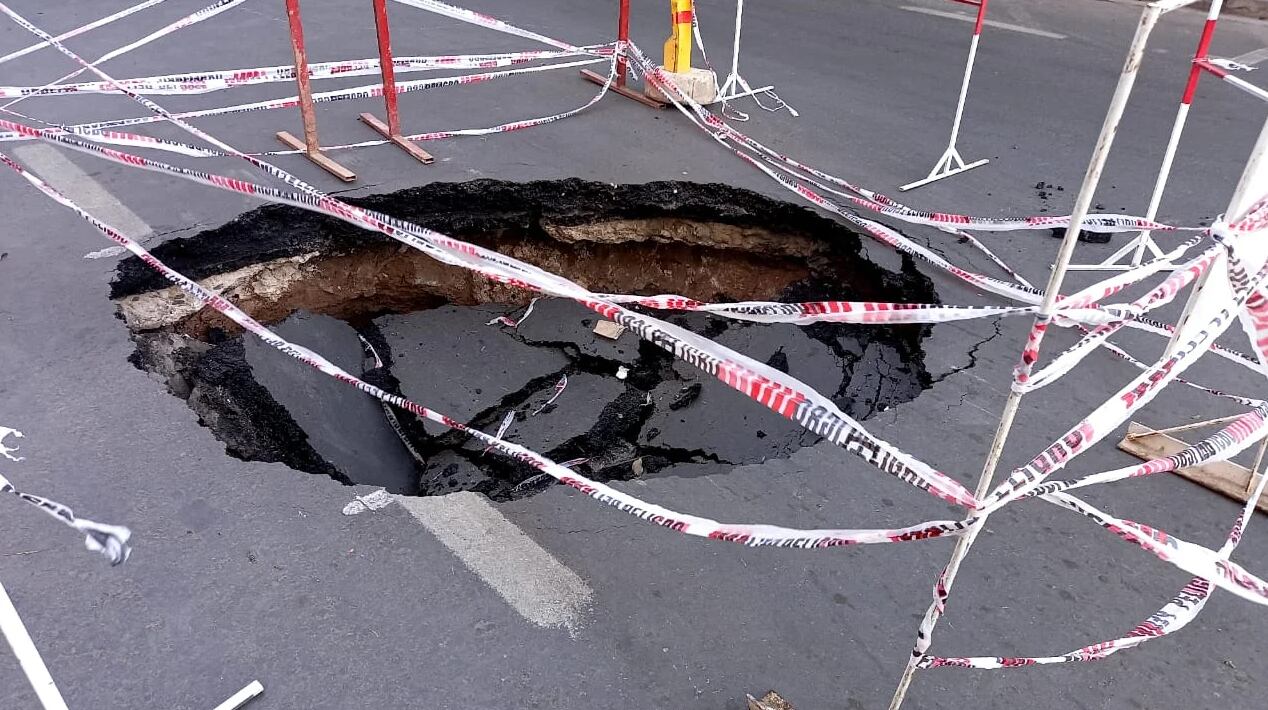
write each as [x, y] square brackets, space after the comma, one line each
[414, 326]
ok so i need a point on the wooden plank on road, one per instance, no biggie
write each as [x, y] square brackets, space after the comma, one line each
[1224, 477]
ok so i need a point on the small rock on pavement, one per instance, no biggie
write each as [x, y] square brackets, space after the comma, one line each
[1084, 236]
[608, 329]
[770, 701]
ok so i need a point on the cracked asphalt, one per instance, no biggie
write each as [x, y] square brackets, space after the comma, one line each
[248, 570]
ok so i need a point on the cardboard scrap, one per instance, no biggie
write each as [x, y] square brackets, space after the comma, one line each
[608, 329]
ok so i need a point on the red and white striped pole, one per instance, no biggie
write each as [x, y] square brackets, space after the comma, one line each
[1177, 129]
[1223, 74]
[392, 129]
[1087, 191]
[310, 146]
[951, 163]
[1144, 240]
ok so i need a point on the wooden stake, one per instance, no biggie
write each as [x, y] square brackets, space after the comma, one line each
[1188, 427]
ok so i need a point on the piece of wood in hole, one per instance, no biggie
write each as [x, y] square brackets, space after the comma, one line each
[770, 701]
[608, 329]
[1224, 477]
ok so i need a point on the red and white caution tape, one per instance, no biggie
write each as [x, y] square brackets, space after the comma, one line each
[101, 22]
[752, 535]
[191, 83]
[193, 18]
[352, 93]
[109, 540]
[560, 386]
[119, 138]
[777, 391]
[515, 322]
[1118, 408]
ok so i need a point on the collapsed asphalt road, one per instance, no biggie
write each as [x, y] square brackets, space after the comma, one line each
[247, 570]
[616, 407]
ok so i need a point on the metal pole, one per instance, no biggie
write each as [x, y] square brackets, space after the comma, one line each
[28, 656]
[310, 146]
[951, 163]
[968, 71]
[302, 79]
[1252, 186]
[622, 46]
[242, 697]
[392, 129]
[1087, 191]
[1164, 172]
[385, 66]
[1223, 75]
[1182, 116]
[735, 87]
[735, 47]
[623, 41]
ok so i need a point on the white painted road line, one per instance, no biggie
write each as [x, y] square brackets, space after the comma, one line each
[529, 578]
[988, 23]
[1252, 58]
[56, 169]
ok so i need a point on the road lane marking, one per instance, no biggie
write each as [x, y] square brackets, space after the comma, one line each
[1252, 58]
[990, 23]
[56, 169]
[529, 578]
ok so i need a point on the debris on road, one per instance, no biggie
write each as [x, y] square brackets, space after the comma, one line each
[608, 329]
[374, 501]
[770, 701]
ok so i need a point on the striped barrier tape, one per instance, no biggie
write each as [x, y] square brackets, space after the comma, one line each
[751, 535]
[109, 540]
[1185, 555]
[193, 83]
[777, 391]
[191, 19]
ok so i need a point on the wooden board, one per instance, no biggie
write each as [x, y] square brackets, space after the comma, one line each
[317, 157]
[1224, 477]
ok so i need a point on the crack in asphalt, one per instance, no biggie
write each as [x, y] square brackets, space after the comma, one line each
[998, 325]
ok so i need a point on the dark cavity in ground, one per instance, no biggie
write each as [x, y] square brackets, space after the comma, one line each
[415, 327]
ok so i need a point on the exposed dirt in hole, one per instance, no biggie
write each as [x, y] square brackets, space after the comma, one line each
[414, 326]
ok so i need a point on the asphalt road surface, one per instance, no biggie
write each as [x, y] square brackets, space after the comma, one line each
[249, 570]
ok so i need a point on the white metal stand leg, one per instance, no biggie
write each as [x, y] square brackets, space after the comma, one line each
[951, 163]
[28, 657]
[41, 681]
[1144, 240]
[735, 86]
[1109, 129]
[242, 697]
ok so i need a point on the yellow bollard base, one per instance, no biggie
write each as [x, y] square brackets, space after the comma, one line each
[700, 84]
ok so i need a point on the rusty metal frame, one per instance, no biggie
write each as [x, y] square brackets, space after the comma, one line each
[392, 129]
[619, 86]
[309, 145]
